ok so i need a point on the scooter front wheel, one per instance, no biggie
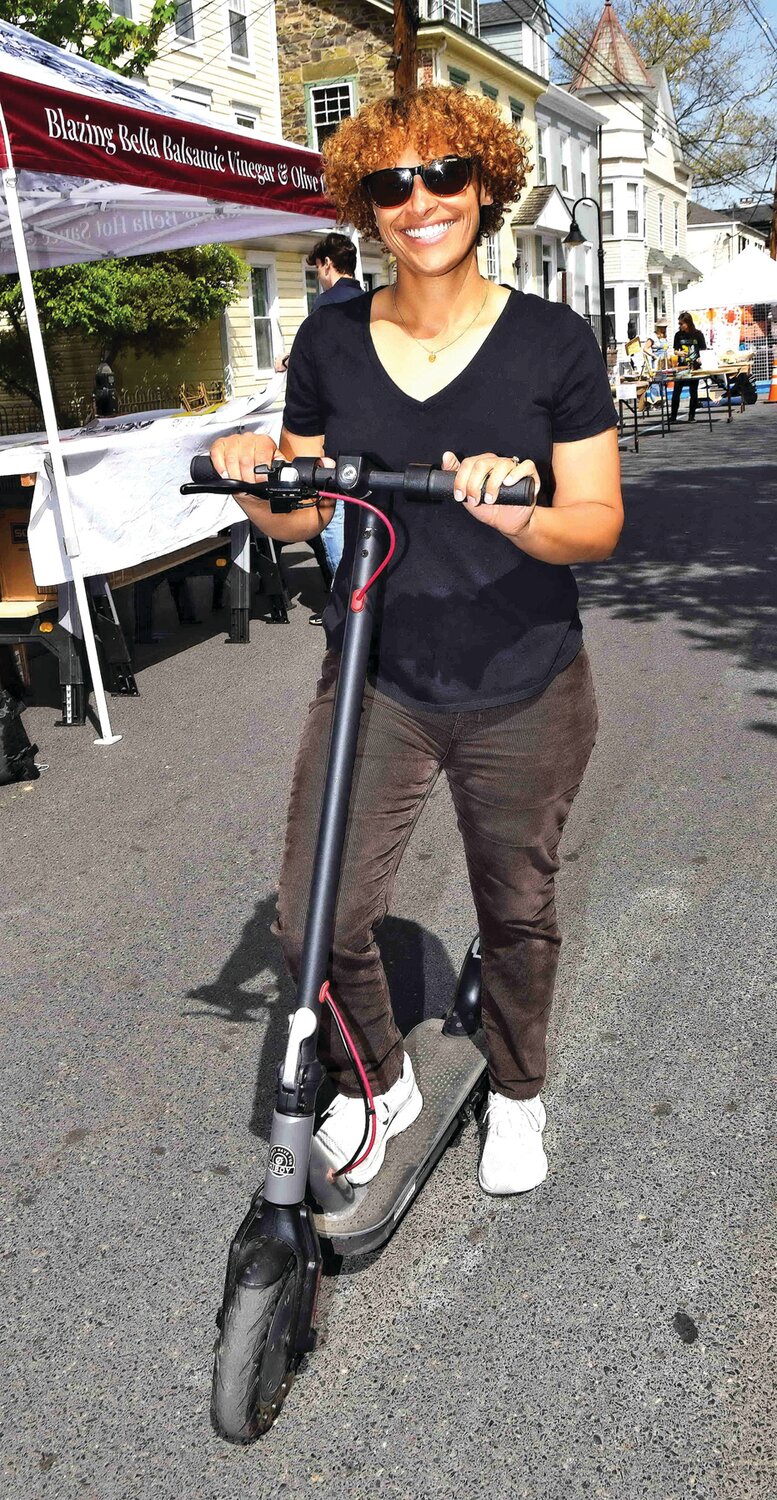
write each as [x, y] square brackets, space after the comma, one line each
[255, 1356]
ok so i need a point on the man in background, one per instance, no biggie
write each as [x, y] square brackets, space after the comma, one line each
[334, 260]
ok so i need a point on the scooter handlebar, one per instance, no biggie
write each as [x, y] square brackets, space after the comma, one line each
[419, 481]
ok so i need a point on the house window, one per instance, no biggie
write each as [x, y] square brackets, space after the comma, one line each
[261, 302]
[565, 164]
[587, 300]
[634, 300]
[677, 226]
[461, 13]
[632, 208]
[492, 258]
[190, 93]
[516, 112]
[312, 287]
[458, 78]
[489, 90]
[184, 21]
[121, 8]
[246, 115]
[609, 314]
[661, 220]
[238, 28]
[542, 156]
[607, 216]
[329, 104]
[583, 185]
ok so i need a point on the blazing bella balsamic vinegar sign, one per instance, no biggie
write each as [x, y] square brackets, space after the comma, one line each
[51, 131]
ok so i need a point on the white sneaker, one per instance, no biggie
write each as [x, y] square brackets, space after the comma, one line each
[342, 1127]
[513, 1159]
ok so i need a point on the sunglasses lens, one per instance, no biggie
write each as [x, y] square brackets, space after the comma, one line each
[448, 176]
[445, 177]
[390, 188]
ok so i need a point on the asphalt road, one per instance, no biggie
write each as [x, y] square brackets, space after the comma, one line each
[605, 1338]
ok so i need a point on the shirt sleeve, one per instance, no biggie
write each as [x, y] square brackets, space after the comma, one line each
[582, 403]
[303, 413]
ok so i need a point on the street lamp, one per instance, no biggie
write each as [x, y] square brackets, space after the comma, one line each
[576, 237]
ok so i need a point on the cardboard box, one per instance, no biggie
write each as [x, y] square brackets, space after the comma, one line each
[16, 577]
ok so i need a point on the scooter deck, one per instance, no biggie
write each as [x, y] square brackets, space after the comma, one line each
[449, 1072]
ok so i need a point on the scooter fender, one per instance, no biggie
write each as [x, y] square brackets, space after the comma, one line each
[260, 1250]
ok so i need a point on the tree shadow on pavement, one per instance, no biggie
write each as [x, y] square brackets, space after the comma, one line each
[254, 989]
[698, 545]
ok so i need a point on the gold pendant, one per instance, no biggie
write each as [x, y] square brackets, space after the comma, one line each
[432, 358]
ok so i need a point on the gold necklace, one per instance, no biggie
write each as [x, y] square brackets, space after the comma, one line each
[432, 353]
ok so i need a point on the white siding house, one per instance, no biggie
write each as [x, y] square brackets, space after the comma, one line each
[565, 168]
[645, 181]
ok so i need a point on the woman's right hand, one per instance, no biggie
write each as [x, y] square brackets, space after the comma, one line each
[237, 456]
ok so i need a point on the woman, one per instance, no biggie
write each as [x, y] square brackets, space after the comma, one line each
[478, 667]
[688, 342]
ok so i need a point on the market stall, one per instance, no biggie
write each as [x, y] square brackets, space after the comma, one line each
[736, 309]
[96, 165]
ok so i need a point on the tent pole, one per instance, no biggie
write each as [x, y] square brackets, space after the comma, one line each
[61, 487]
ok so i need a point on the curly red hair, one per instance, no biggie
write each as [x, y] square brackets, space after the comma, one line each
[435, 119]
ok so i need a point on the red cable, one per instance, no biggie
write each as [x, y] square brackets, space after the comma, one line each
[359, 595]
[325, 995]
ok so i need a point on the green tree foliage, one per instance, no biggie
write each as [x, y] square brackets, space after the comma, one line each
[148, 303]
[722, 77]
[90, 28]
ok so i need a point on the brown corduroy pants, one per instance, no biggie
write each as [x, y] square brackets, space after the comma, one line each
[513, 774]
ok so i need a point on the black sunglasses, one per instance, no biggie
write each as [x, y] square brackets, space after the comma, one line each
[445, 177]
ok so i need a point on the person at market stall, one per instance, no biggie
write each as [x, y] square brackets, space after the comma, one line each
[478, 665]
[660, 340]
[688, 343]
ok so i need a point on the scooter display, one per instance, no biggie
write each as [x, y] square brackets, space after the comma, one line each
[268, 1313]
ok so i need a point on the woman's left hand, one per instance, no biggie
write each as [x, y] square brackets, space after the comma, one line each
[493, 471]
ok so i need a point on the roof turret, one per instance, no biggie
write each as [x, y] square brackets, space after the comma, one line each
[610, 59]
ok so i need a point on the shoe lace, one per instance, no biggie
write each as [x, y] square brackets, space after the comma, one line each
[501, 1112]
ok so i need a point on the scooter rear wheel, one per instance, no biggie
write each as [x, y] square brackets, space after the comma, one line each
[255, 1357]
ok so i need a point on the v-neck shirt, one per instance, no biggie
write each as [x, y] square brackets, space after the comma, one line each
[465, 620]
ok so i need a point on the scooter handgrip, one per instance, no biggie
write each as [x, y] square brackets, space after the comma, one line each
[202, 470]
[442, 483]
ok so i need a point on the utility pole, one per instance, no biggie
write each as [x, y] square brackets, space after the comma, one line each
[405, 32]
[773, 231]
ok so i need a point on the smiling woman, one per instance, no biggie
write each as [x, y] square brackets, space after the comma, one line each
[478, 666]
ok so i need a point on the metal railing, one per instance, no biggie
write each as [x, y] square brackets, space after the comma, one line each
[20, 417]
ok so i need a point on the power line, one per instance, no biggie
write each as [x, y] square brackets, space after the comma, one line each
[196, 12]
[760, 19]
[252, 16]
[579, 55]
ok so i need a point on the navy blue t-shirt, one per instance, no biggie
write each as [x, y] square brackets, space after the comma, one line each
[465, 620]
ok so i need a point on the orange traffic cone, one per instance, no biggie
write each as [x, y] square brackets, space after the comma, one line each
[772, 396]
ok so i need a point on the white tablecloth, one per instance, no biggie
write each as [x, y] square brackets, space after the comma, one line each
[125, 478]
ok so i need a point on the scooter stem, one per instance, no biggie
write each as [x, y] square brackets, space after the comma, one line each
[349, 695]
[292, 1125]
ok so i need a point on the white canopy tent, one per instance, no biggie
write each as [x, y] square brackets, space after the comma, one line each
[96, 165]
[748, 280]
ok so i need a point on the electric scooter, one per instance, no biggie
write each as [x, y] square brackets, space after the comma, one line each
[268, 1313]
